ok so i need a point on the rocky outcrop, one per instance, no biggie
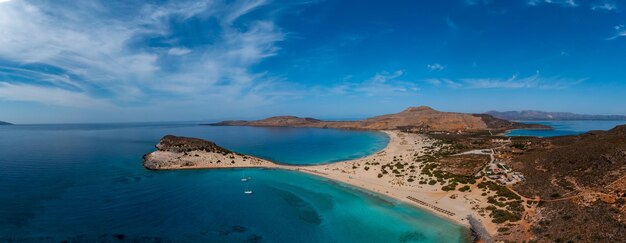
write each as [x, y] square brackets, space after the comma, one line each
[192, 153]
[416, 119]
[176, 144]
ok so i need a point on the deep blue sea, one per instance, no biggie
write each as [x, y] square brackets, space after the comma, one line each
[85, 183]
[563, 128]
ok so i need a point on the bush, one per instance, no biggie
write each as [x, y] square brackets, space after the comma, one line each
[464, 188]
[380, 175]
[450, 187]
[500, 190]
[500, 216]
[432, 182]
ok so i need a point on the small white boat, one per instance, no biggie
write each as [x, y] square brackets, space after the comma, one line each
[247, 192]
[244, 179]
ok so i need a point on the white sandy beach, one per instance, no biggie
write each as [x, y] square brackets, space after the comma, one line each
[403, 147]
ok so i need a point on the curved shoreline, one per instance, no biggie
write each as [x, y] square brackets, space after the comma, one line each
[455, 206]
[338, 160]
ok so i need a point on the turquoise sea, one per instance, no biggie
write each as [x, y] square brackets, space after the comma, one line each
[564, 128]
[85, 183]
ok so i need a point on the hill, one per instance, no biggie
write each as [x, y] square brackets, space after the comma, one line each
[529, 115]
[5, 123]
[421, 118]
[580, 180]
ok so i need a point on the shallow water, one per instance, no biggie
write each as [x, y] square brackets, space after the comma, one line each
[86, 183]
[563, 128]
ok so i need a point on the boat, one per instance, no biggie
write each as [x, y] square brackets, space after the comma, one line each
[246, 179]
[247, 192]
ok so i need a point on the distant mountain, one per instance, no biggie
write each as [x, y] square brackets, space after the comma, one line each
[421, 118]
[529, 115]
[5, 123]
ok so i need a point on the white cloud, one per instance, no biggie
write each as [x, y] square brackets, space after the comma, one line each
[381, 84]
[604, 7]
[477, 2]
[514, 82]
[242, 8]
[48, 95]
[177, 51]
[566, 3]
[95, 47]
[619, 32]
[435, 67]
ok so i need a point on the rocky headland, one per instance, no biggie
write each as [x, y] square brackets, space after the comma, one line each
[182, 152]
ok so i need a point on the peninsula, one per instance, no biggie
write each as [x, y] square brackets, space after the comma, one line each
[503, 188]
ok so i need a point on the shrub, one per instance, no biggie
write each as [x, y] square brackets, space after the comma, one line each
[503, 229]
[464, 188]
[500, 216]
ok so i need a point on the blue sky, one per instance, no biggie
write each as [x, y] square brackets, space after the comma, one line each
[117, 61]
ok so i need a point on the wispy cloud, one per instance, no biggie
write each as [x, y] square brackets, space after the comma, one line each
[435, 67]
[381, 84]
[178, 51]
[566, 3]
[450, 23]
[606, 6]
[477, 2]
[103, 50]
[49, 95]
[620, 31]
[514, 82]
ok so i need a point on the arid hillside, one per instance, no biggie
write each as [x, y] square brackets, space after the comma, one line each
[581, 183]
[415, 119]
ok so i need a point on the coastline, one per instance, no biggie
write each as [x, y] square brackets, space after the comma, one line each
[365, 173]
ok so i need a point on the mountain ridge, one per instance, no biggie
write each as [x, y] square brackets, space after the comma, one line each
[420, 119]
[544, 115]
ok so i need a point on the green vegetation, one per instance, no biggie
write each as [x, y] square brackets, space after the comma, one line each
[464, 188]
[500, 216]
[501, 191]
[449, 187]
